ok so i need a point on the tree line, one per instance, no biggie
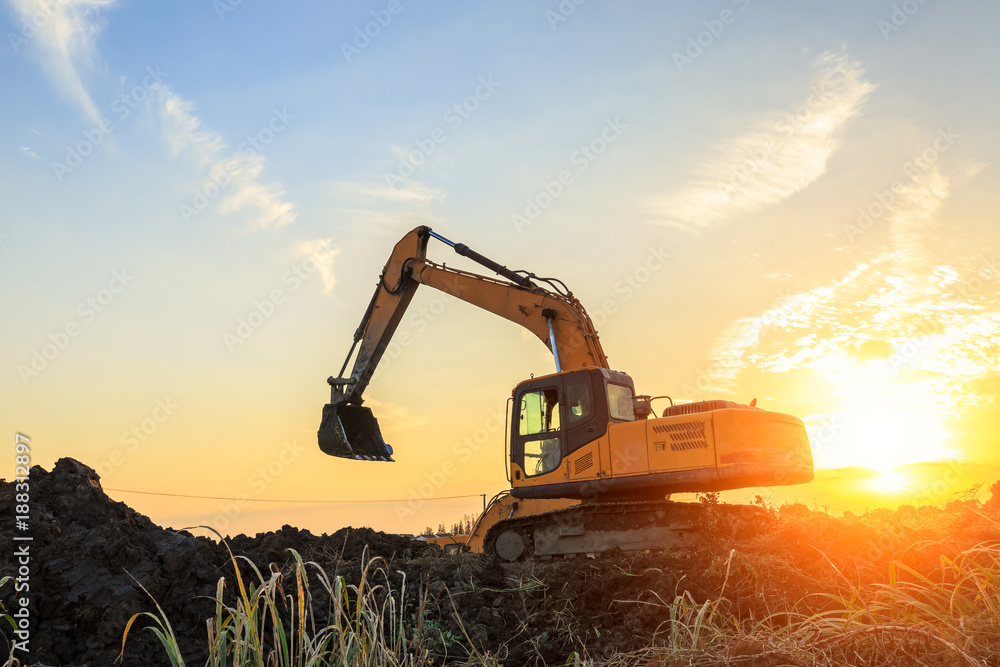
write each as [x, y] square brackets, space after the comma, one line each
[461, 527]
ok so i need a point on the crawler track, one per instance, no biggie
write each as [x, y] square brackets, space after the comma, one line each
[597, 527]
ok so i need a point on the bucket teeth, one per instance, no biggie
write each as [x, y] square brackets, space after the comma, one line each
[352, 432]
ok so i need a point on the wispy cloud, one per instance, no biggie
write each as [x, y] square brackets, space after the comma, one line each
[66, 42]
[231, 175]
[27, 151]
[784, 154]
[374, 205]
[411, 192]
[899, 342]
[911, 217]
[874, 301]
[322, 252]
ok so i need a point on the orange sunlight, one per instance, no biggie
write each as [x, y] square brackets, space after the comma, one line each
[887, 421]
[890, 481]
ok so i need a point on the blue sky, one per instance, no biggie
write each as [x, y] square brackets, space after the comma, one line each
[748, 158]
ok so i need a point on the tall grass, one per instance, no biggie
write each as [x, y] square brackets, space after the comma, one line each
[947, 617]
[955, 616]
[690, 626]
[7, 618]
[269, 626]
[944, 614]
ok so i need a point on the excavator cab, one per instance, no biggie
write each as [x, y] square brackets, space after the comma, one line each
[556, 415]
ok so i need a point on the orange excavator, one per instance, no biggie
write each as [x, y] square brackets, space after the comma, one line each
[591, 466]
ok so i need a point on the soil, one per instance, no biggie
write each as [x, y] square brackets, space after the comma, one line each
[93, 557]
[91, 554]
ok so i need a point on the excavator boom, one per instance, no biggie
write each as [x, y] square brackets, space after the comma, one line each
[555, 316]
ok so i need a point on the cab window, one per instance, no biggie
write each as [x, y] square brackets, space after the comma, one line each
[620, 402]
[539, 428]
[541, 456]
[539, 412]
[579, 398]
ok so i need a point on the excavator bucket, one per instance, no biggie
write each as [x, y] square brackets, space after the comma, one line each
[352, 432]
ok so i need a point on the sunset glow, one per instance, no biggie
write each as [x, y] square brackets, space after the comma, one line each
[890, 482]
[883, 423]
[800, 208]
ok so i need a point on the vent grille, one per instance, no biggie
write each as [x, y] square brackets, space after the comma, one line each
[702, 406]
[684, 435]
[584, 462]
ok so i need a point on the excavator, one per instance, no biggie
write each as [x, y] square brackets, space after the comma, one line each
[591, 466]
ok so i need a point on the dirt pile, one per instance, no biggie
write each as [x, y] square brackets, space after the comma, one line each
[90, 554]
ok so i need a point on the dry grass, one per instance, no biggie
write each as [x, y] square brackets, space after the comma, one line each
[7, 618]
[950, 616]
[933, 602]
[269, 626]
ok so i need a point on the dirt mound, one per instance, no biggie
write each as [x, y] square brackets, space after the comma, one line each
[90, 554]
[345, 544]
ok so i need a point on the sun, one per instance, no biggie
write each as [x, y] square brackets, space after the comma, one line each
[890, 481]
[883, 422]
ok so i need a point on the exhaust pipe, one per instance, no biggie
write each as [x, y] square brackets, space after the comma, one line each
[351, 431]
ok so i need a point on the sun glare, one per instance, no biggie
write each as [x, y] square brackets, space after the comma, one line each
[883, 422]
[889, 481]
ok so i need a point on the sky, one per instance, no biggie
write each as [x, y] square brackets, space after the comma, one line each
[794, 202]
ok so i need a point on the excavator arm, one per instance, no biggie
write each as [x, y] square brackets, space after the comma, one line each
[555, 316]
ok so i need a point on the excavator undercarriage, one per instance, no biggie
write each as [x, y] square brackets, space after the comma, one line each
[591, 528]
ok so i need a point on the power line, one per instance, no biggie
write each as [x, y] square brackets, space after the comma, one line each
[273, 500]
